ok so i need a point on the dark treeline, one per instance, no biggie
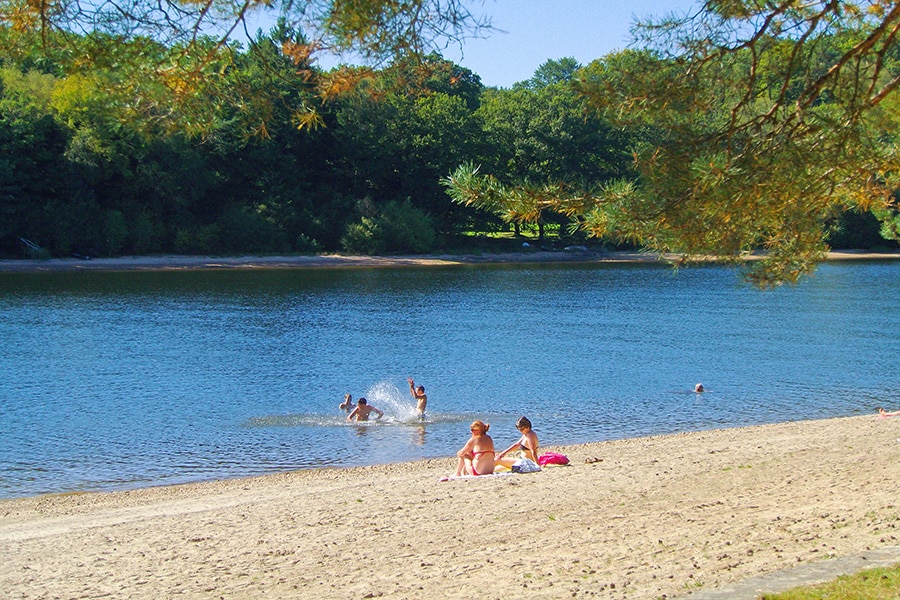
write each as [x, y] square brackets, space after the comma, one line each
[257, 160]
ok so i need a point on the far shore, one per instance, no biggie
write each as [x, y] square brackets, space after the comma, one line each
[180, 262]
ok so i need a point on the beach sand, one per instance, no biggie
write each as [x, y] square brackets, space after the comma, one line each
[657, 517]
[172, 263]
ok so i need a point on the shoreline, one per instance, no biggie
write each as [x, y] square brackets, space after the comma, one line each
[179, 262]
[678, 515]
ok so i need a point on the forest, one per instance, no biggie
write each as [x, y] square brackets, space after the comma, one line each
[241, 152]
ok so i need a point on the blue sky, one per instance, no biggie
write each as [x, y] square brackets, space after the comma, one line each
[539, 30]
[530, 32]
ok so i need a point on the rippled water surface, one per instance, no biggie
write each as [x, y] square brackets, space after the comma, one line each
[118, 380]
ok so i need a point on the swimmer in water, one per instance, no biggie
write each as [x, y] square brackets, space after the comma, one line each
[421, 399]
[363, 410]
[347, 405]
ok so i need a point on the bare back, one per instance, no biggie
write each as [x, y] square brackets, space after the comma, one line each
[483, 454]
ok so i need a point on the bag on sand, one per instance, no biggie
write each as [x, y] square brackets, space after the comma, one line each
[552, 458]
[525, 465]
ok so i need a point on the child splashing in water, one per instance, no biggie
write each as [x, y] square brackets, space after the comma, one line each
[363, 410]
[396, 404]
[418, 393]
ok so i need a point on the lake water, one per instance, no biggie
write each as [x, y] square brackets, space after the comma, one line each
[130, 379]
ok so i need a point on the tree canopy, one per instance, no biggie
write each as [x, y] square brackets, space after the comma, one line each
[373, 28]
[191, 42]
[743, 126]
[755, 123]
[772, 117]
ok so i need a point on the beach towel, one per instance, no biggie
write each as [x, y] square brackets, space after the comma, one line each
[552, 458]
[501, 474]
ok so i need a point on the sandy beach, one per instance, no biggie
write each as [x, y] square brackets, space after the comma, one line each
[170, 263]
[658, 517]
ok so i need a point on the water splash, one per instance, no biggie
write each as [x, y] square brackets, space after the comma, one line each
[399, 409]
[396, 405]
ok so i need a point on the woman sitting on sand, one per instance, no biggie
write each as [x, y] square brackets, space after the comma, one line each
[527, 446]
[477, 456]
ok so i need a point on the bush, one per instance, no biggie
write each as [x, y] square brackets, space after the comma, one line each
[197, 240]
[115, 231]
[307, 245]
[147, 235]
[397, 228]
[364, 237]
[856, 230]
[250, 230]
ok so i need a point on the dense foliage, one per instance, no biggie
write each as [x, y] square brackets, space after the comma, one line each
[746, 126]
[757, 126]
[94, 165]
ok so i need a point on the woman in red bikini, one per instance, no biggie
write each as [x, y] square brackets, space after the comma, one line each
[477, 456]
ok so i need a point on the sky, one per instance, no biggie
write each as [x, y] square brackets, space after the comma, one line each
[534, 31]
[528, 33]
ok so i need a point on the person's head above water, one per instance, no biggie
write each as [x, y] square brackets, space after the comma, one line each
[698, 387]
[362, 401]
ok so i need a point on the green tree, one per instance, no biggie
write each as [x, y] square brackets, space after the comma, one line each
[200, 36]
[755, 124]
[552, 72]
[398, 134]
[540, 142]
[36, 180]
[767, 120]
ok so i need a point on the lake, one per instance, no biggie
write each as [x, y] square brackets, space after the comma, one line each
[116, 380]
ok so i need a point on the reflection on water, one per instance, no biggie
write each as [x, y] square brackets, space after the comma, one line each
[418, 437]
[114, 380]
